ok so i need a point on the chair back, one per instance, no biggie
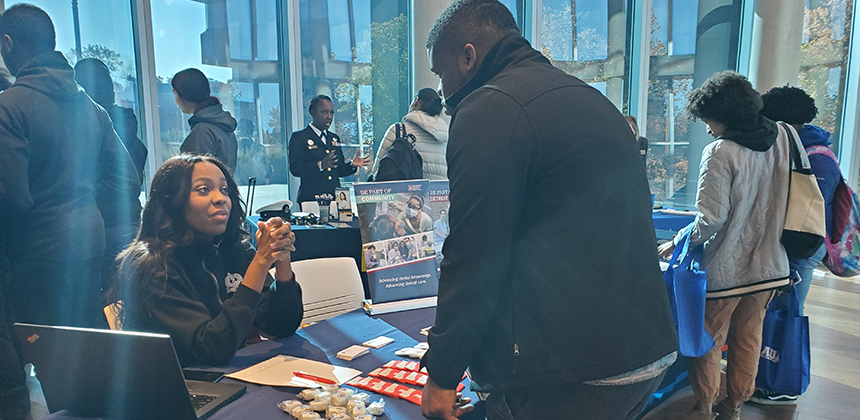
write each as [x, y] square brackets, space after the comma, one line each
[330, 287]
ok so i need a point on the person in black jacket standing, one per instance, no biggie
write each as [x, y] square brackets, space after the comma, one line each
[561, 287]
[65, 177]
[316, 156]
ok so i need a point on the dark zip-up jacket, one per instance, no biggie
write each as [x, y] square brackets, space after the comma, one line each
[64, 173]
[194, 303]
[551, 272]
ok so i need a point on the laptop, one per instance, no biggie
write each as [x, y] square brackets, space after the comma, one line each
[117, 374]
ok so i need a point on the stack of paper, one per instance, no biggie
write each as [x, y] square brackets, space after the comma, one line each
[352, 352]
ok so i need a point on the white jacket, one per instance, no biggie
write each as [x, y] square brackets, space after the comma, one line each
[742, 199]
[431, 141]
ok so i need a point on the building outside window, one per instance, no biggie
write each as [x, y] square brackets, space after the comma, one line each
[587, 39]
[356, 52]
[233, 42]
[824, 60]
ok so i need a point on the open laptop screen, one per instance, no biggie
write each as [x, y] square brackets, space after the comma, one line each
[105, 373]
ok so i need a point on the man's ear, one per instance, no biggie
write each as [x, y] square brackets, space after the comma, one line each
[468, 61]
[6, 43]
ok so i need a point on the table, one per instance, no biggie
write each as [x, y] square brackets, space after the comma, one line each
[321, 342]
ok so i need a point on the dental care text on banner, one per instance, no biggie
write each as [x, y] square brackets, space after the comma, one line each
[396, 220]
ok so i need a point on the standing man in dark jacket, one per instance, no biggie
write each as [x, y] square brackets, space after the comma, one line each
[316, 156]
[64, 178]
[561, 286]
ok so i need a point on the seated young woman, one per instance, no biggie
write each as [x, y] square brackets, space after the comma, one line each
[192, 273]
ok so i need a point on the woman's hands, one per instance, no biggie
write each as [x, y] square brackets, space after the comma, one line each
[275, 241]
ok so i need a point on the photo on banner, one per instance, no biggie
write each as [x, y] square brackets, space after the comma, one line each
[439, 205]
[396, 221]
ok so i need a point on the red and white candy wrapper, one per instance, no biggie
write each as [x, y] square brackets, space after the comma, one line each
[402, 376]
[392, 390]
[411, 377]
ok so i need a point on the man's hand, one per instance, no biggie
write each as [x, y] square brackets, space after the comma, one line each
[665, 250]
[329, 161]
[446, 404]
[359, 161]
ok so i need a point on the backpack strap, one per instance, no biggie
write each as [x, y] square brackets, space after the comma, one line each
[821, 150]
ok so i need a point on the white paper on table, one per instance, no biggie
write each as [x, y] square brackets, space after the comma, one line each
[278, 371]
[679, 212]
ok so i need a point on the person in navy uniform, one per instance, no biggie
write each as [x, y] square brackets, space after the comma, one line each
[316, 156]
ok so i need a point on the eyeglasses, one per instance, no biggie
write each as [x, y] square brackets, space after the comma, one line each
[414, 207]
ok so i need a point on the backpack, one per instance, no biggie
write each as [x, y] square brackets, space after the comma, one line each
[843, 240]
[402, 161]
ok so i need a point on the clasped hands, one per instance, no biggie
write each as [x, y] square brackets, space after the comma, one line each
[275, 240]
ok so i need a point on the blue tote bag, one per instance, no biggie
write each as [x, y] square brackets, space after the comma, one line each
[687, 285]
[784, 364]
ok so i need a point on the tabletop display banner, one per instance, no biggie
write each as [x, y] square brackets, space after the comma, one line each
[396, 220]
[439, 205]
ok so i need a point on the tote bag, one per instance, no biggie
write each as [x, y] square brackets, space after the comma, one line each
[843, 240]
[804, 228]
[687, 285]
[784, 364]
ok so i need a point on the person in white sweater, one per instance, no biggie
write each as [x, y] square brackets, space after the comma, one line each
[425, 122]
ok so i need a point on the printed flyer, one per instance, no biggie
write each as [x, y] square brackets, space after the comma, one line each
[439, 205]
[396, 220]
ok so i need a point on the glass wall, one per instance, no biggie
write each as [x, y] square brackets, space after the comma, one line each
[100, 29]
[235, 43]
[587, 39]
[356, 52]
[689, 42]
[824, 60]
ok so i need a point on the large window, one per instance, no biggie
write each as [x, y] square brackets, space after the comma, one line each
[100, 29]
[356, 52]
[824, 60]
[689, 42]
[587, 39]
[235, 43]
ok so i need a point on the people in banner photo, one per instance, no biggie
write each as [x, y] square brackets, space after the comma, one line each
[427, 246]
[393, 252]
[369, 256]
[413, 219]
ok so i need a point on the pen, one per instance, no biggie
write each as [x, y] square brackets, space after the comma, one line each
[305, 375]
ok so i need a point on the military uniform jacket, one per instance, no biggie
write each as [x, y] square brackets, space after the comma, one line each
[306, 149]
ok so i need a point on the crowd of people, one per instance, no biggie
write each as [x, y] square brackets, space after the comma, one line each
[555, 299]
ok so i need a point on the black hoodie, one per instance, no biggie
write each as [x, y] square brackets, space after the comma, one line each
[551, 272]
[64, 173]
[213, 133]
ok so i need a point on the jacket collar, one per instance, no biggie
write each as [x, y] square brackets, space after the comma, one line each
[509, 51]
[758, 136]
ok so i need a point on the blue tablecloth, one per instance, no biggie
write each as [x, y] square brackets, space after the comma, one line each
[667, 225]
[320, 342]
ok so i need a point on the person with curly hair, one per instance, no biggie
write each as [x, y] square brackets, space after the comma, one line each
[793, 106]
[742, 197]
[192, 272]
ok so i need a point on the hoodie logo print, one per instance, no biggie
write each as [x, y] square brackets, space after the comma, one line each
[232, 282]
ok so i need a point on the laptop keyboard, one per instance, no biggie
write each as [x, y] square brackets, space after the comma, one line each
[200, 400]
